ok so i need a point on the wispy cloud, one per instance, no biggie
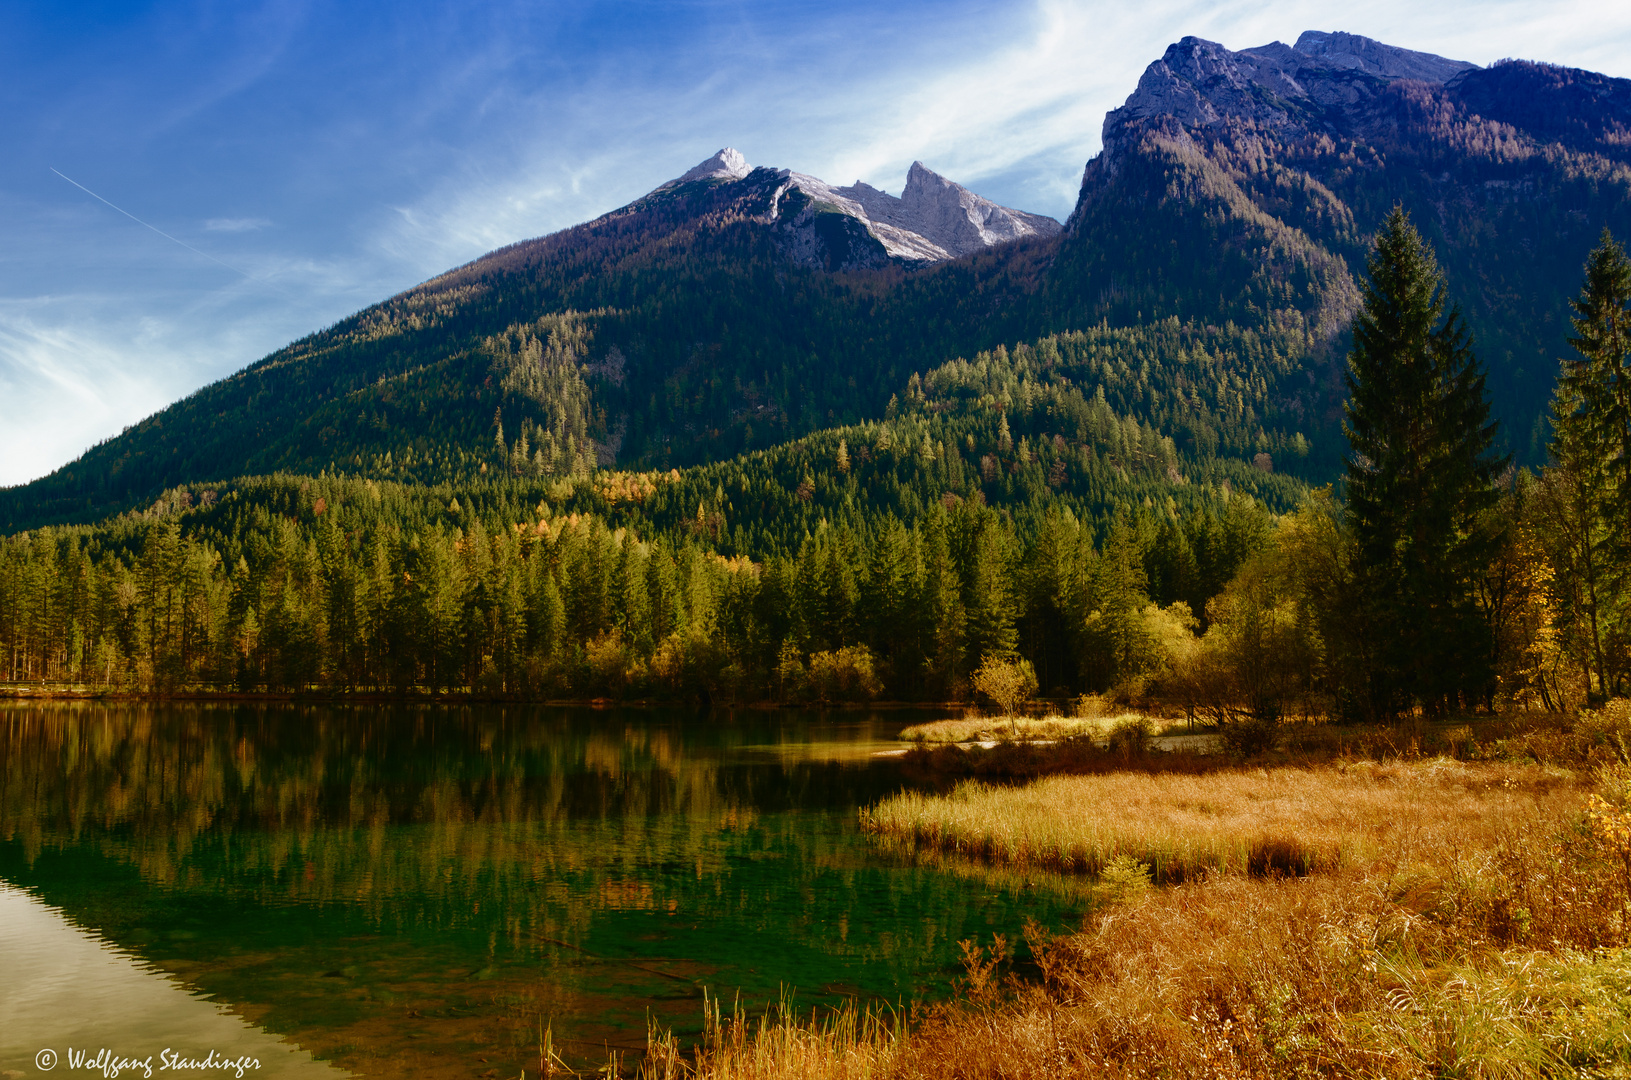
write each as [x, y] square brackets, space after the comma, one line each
[52, 372]
[76, 368]
[236, 224]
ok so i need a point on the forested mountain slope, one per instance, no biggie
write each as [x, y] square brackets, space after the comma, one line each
[1231, 180]
[683, 327]
[902, 551]
[1212, 251]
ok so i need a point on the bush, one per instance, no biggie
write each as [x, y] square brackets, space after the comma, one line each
[844, 675]
[607, 657]
[1606, 732]
[1250, 733]
[1592, 737]
[1132, 736]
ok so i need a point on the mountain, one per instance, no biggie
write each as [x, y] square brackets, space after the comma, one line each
[729, 309]
[1244, 185]
[933, 219]
[1211, 263]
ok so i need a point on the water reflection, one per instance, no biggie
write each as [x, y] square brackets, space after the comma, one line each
[419, 889]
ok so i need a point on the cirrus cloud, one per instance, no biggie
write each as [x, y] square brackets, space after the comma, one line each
[236, 224]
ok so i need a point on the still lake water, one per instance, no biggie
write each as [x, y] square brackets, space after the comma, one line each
[414, 890]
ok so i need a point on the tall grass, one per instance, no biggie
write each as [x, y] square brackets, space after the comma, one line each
[999, 728]
[849, 1043]
[1439, 919]
[1472, 924]
[1259, 821]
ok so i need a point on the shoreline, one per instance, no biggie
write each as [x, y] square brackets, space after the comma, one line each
[17, 692]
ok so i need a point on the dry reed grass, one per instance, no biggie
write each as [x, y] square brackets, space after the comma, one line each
[849, 1043]
[937, 765]
[1472, 924]
[1282, 820]
[1010, 728]
[1334, 975]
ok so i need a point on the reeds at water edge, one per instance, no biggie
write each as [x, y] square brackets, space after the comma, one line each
[1182, 827]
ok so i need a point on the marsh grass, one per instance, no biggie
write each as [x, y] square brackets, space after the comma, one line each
[1413, 917]
[1023, 728]
[1474, 924]
[1336, 975]
[1182, 827]
[848, 1043]
[1008, 762]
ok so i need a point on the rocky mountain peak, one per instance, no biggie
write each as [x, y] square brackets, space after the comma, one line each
[1353, 52]
[728, 164]
[933, 219]
[946, 214]
[1276, 87]
[924, 183]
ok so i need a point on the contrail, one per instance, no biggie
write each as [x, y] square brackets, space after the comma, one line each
[155, 228]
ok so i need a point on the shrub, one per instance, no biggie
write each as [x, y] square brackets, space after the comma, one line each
[1132, 736]
[844, 675]
[1249, 733]
[608, 659]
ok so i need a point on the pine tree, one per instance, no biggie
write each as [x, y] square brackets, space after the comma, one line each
[1591, 450]
[988, 595]
[1419, 479]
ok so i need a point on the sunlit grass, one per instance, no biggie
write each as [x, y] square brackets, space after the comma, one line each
[848, 1043]
[1461, 921]
[1008, 728]
[1287, 820]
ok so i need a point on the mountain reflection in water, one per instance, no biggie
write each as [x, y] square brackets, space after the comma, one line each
[426, 889]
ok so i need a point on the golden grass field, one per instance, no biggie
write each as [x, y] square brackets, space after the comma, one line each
[1293, 820]
[1411, 917]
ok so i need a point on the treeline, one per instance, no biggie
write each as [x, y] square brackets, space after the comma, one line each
[345, 586]
[345, 597]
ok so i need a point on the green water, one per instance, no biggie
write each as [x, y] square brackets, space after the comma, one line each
[422, 890]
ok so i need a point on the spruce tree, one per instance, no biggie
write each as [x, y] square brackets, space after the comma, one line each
[1419, 480]
[1591, 450]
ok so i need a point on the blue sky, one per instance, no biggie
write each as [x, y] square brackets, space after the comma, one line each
[317, 158]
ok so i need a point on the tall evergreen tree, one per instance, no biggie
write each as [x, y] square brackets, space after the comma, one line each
[1419, 480]
[1591, 450]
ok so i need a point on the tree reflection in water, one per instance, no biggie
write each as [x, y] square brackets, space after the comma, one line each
[420, 888]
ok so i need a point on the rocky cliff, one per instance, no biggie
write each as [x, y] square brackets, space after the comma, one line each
[932, 220]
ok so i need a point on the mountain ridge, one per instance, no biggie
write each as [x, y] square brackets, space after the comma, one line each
[933, 219]
[738, 307]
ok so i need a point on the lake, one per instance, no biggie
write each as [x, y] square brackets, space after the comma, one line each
[430, 890]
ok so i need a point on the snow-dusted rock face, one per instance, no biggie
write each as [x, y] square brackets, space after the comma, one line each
[933, 219]
[946, 214]
[728, 164]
